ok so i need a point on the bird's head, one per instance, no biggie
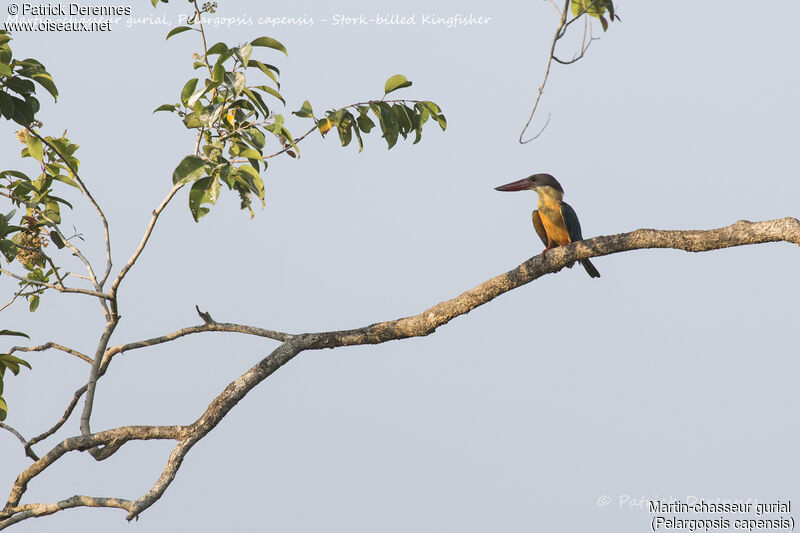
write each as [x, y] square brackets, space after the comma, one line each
[544, 184]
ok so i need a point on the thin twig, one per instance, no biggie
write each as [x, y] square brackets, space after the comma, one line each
[208, 326]
[56, 287]
[560, 32]
[558, 9]
[143, 243]
[587, 29]
[561, 24]
[13, 432]
[67, 413]
[203, 36]
[54, 346]
[16, 295]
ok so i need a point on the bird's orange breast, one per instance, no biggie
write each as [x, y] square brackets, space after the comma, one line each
[554, 225]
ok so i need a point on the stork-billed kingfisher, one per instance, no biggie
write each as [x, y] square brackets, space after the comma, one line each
[555, 221]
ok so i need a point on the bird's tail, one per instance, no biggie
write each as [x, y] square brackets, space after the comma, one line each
[590, 269]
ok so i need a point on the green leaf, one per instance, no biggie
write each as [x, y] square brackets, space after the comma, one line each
[398, 81]
[33, 306]
[52, 211]
[266, 69]
[46, 81]
[60, 200]
[305, 111]
[35, 148]
[218, 48]
[188, 170]
[177, 30]
[253, 180]
[187, 91]
[595, 8]
[242, 53]
[276, 125]
[269, 90]
[68, 180]
[5, 53]
[8, 360]
[200, 92]
[249, 153]
[435, 113]
[9, 250]
[257, 100]
[5, 70]
[345, 129]
[387, 120]
[218, 73]
[56, 238]
[15, 334]
[23, 112]
[20, 86]
[239, 83]
[166, 107]
[357, 131]
[432, 107]
[204, 191]
[255, 137]
[269, 42]
[3, 405]
[365, 123]
[6, 105]
[403, 118]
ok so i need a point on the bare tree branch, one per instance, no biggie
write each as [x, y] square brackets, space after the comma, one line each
[34, 510]
[425, 323]
[738, 234]
[113, 439]
[94, 375]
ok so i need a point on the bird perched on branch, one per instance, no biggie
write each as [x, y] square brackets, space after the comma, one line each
[554, 221]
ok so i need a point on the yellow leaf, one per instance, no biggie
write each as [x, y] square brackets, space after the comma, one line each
[324, 126]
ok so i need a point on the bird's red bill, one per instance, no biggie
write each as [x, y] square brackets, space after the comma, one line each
[519, 185]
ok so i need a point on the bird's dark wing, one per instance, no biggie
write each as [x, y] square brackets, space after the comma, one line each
[571, 221]
[574, 230]
[539, 227]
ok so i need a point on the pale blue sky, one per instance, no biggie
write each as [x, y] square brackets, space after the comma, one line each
[672, 375]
